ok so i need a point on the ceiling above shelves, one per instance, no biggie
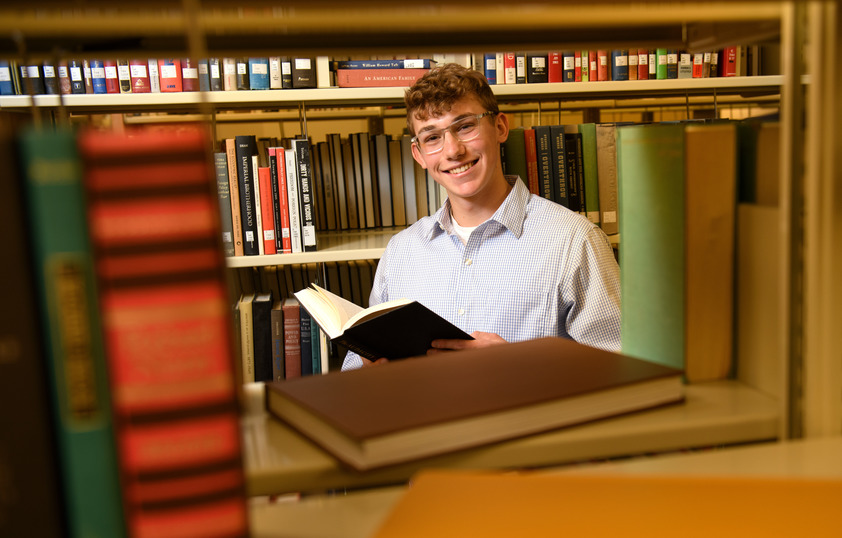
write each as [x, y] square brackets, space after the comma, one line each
[257, 28]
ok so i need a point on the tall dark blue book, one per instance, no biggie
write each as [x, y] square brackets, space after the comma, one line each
[489, 67]
[620, 64]
[204, 76]
[98, 76]
[568, 66]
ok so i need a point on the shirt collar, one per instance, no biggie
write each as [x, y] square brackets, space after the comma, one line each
[510, 214]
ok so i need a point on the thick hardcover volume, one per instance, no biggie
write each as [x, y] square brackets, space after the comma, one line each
[267, 215]
[568, 66]
[305, 189]
[153, 220]
[686, 298]
[139, 76]
[372, 78]
[242, 65]
[489, 67]
[303, 73]
[373, 417]
[306, 340]
[620, 64]
[292, 337]
[261, 311]
[603, 69]
[189, 75]
[661, 63]
[554, 69]
[204, 75]
[606, 170]
[455, 503]
[223, 190]
[98, 76]
[558, 160]
[575, 181]
[169, 72]
[67, 298]
[590, 171]
[234, 192]
[277, 169]
[258, 73]
[642, 64]
[411, 63]
[729, 62]
[29, 457]
[154, 76]
[7, 86]
[544, 161]
[246, 148]
[537, 70]
[293, 199]
[112, 81]
[215, 74]
[514, 161]
[276, 317]
[124, 76]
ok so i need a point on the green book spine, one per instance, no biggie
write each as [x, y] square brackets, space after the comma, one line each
[589, 167]
[661, 65]
[67, 295]
[650, 165]
[515, 155]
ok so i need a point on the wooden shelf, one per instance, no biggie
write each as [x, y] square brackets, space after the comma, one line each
[333, 247]
[349, 97]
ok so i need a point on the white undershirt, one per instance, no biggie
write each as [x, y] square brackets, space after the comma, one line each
[462, 232]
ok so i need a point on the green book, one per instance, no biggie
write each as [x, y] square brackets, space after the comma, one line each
[661, 63]
[72, 329]
[589, 168]
[514, 149]
[650, 166]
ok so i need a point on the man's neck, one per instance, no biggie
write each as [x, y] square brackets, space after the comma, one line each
[470, 212]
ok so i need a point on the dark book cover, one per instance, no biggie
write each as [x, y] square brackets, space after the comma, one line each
[545, 169]
[261, 312]
[303, 73]
[246, 148]
[575, 179]
[558, 161]
[305, 192]
[620, 64]
[537, 68]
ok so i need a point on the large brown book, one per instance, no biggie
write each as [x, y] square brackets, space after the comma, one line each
[411, 409]
[495, 504]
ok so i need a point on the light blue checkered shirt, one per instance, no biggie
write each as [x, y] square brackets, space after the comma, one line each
[533, 269]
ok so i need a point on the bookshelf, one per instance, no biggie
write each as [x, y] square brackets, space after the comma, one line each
[806, 398]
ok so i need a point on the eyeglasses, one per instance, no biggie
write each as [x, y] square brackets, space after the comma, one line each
[463, 130]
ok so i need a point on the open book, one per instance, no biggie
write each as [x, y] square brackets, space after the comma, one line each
[395, 329]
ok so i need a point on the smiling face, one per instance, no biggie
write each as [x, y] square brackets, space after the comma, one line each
[469, 171]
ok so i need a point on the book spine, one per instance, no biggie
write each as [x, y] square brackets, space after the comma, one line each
[258, 209]
[620, 64]
[112, 80]
[169, 70]
[215, 74]
[72, 332]
[489, 67]
[204, 75]
[124, 76]
[277, 320]
[245, 309]
[419, 63]
[86, 76]
[139, 73]
[154, 75]
[152, 216]
[558, 158]
[189, 75]
[642, 64]
[50, 79]
[286, 72]
[574, 191]
[223, 190]
[229, 74]
[537, 69]
[586, 66]
[305, 323]
[234, 193]
[283, 201]
[292, 339]
[374, 78]
[262, 312]
[685, 65]
[304, 73]
[293, 200]
[568, 66]
[258, 73]
[554, 70]
[305, 189]
[98, 76]
[267, 210]
[29, 463]
[661, 69]
[544, 161]
[606, 153]
[634, 71]
[7, 87]
[246, 147]
[602, 65]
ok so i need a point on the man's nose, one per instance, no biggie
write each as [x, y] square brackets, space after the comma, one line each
[452, 145]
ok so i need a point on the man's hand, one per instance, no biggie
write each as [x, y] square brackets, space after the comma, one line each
[481, 339]
[367, 362]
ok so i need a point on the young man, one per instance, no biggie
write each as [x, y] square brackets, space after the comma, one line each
[500, 263]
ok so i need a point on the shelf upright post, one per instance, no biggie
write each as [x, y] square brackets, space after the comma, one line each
[302, 118]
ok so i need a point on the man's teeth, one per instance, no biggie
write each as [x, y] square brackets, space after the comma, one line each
[461, 169]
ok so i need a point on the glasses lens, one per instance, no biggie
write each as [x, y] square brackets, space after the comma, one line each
[463, 130]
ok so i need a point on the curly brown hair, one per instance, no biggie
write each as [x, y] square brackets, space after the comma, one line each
[435, 93]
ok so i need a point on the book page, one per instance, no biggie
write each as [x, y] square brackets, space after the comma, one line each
[374, 311]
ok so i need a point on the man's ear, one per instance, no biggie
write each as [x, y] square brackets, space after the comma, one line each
[419, 158]
[502, 126]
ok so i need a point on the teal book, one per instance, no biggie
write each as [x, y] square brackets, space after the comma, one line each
[258, 73]
[72, 332]
[650, 166]
[590, 171]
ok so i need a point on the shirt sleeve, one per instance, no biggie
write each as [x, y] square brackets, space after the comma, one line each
[594, 318]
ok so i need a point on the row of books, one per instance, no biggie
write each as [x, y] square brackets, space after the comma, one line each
[276, 194]
[604, 65]
[155, 75]
[278, 339]
[572, 165]
[122, 415]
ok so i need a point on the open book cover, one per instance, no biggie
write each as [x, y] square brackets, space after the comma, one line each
[407, 410]
[395, 329]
